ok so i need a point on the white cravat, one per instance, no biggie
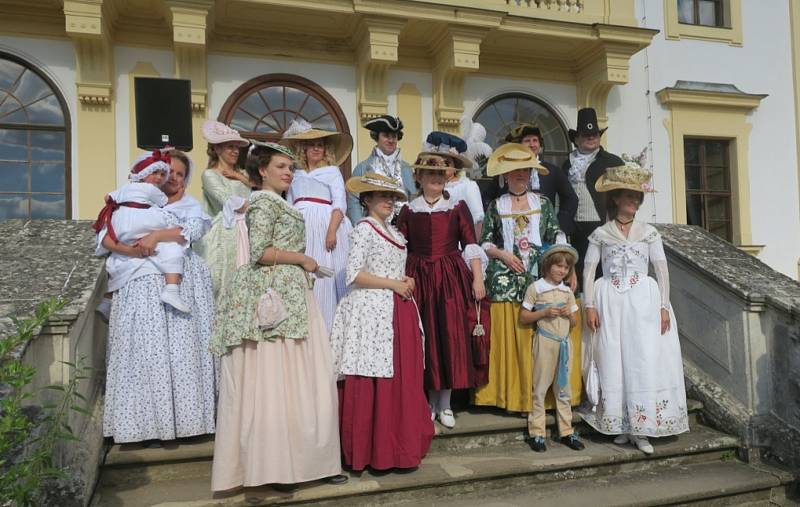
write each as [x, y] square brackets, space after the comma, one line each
[579, 163]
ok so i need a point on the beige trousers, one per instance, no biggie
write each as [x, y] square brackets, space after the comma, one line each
[545, 371]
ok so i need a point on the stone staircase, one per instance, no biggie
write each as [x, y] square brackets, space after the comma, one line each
[483, 462]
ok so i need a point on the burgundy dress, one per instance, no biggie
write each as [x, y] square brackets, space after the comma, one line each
[454, 359]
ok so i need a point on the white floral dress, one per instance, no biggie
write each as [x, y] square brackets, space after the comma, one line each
[641, 371]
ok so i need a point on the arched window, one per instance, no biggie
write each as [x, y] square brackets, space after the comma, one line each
[505, 112]
[264, 107]
[34, 144]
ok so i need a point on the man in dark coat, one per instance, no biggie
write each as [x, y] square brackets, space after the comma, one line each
[552, 184]
[585, 165]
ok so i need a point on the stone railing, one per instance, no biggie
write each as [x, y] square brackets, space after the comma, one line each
[53, 258]
[739, 323]
[619, 12]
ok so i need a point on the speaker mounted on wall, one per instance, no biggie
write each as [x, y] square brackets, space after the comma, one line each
[163, 113]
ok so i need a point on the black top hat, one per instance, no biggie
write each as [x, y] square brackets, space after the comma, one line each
[384, 123]
[587, 124]
[524, 130]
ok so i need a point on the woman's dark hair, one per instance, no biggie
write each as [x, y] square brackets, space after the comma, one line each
[611, 205]
[362, 201]
[213, 158]
[558, 258]
[375, 135]
[258, 158]
[173, 153]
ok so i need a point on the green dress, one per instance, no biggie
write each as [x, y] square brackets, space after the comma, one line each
[218, 246]
[502, 284]
[271, 222]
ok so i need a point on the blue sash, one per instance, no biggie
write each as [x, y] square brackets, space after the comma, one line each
[563, 349]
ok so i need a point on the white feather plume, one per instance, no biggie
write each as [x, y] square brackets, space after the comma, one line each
[474, 134]
[298, 126]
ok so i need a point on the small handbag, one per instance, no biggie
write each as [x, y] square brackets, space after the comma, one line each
[592, 378]
[480, 341]
[271, 311]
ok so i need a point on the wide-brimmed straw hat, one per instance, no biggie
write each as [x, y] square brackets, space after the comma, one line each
[215, 132]
[631, 176]
[438, 148]
[374, 182]
[255, 143]
[513, 156]
[560, 248]
[301, 131]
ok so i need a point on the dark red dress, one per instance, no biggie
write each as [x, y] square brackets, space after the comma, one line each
[454, 359]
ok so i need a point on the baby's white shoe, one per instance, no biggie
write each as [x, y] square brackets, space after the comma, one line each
[172, 296]
[447, 419]
[643, 444]
[104, 308]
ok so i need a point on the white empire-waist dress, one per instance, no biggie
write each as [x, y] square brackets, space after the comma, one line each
[641, 371]
[316, 194]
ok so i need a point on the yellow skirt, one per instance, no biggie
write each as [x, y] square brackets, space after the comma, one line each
[511, 363]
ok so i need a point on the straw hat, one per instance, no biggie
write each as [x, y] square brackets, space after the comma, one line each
[374, 182]
[255, 143]
[631, 176]
[560, 248]
[438, 149]
[300, 131]
[513, 156]
[215, 132]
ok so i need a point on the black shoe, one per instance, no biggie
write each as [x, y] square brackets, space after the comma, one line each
[284, 488]
[337, 479]
[572, 442]
[537, 444]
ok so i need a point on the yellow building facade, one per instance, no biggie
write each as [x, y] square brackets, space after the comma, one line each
[257, 64]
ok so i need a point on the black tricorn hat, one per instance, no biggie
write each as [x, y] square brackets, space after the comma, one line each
[522, 131]
[384, 123]
[587, 124]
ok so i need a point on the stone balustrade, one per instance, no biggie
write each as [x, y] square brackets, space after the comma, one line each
[739, 323]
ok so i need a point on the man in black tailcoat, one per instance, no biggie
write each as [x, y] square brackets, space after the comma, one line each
[585, 165]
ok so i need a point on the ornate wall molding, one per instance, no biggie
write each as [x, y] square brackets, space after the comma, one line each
[189, 19]
[376, 50]
[88, 27]
[456, 54]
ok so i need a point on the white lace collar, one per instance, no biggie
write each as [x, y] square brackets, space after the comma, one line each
[542, 286]
[640, 231]
[419, 205]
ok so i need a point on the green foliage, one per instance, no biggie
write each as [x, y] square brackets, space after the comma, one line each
[27, 439]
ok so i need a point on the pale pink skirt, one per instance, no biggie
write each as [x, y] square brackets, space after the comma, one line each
[277, 418]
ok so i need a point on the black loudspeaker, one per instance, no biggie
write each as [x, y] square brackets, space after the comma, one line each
[163, 113]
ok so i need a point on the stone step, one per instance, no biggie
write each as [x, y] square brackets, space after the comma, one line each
[475, 427]
[184, 484]
[723, 482]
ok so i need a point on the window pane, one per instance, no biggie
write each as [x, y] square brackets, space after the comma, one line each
[686, 11]
[716, 152]
[243, 122]
[717, 208]
[254, 105]
[717, 179]
[9, 73]
[708, 12]
[30, 88]
[47, 206]
[691, 152]
[693, 179]
[47, 177]
[11, 105]
[325, 123]
[266, 126]
[694, 210]
[719, 229]
[312, 110]
[13, 177]
[13, 206]
[13, 144]
[505, 110]
[294, 99]
[47, 146]
[274, 97]
[46, 112]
